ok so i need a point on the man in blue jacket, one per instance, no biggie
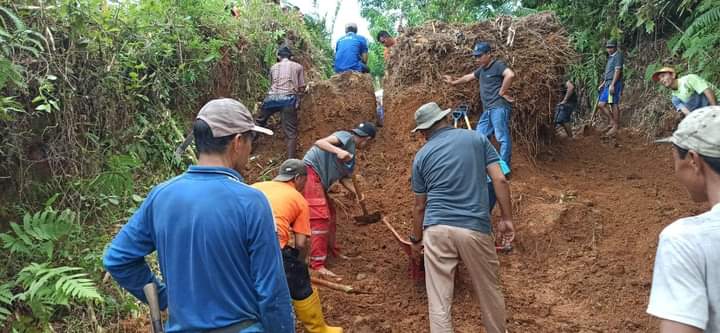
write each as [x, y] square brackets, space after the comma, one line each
[214, 236]
[351, 51]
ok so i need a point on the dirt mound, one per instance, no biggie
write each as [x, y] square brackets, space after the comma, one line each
[341, 102]
[536, 47]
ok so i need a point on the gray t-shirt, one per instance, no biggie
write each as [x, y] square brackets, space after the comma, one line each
[327, 165]
[451, 170]
[491, 79]
[614, 61]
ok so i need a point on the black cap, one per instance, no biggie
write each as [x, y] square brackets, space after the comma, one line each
[284, 51]
[290, 169]
[365, 128]
[611, 43]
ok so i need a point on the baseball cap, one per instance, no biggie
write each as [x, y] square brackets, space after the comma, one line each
[290, 169]
[351, 25]
[699, 132]
[481, 48]
[656, 75]
[284, 51]
[427, 115]
[364, 129]
[226, 116]
[611, 43]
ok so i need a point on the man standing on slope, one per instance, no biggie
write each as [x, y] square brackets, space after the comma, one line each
[330, 159]
[290, 210]
[214, 236]
[288, 81]
[495, 78]
[451, 217]
[689, 92]
[611, 87]
[685, 291]
[351, 51]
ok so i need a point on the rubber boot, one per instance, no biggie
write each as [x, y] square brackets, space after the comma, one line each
[309, 311]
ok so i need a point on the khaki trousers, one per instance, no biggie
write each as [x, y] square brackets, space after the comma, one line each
[444, 247]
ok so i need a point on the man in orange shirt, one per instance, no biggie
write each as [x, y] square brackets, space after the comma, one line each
[292, 212]
[386, 40]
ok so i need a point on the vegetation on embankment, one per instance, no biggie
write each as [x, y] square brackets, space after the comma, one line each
[94, 97]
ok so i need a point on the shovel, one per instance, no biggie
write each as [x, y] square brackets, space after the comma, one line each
[365, 218]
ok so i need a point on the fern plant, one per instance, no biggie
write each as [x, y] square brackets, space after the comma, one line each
[6, 297]
[39, 233]
[15, 38]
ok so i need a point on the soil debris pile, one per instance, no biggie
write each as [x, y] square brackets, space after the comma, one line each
[536, 47]
[339, 103]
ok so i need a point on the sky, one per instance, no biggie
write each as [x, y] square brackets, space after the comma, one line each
[349, 12]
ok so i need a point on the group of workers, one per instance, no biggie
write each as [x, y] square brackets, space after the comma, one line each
[234, 258]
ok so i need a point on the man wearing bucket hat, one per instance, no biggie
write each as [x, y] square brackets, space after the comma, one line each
[291, 212]
[689, 92]
[685, 291]
[351, 51]
[451, 218]
[611, 87]
[288, 82]
[214, 236]
[495, 78]
[331, 159]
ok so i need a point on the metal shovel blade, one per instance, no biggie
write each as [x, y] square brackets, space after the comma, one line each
[368, 219]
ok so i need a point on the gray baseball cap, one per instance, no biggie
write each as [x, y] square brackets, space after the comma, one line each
[290, 169]
[226, 116]
[699, 131]
[427, 115]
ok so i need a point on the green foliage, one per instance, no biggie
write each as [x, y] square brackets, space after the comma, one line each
[39, 233]
[6, 297]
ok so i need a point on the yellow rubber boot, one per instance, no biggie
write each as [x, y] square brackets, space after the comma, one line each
[309, 311]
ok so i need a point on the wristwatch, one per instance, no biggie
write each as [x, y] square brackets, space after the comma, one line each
[414, 240]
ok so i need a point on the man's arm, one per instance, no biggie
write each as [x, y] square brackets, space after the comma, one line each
[125, 258]
[329, 144]
[463, 79]
[710, 96]
[301, 80]
[266, 267]
[669, 326]
[364, 58]
[301, 245]
[502, 190]
[419, 215]
[569, 91]
[508, 76]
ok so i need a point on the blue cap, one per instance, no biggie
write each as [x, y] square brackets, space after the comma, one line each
[364, 129]
[481, 48]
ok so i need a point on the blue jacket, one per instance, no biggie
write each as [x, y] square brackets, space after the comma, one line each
[217, 250]
[348, 52]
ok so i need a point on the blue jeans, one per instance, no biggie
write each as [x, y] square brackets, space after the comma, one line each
[497, 121]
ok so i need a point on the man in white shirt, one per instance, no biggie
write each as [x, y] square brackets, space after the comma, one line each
[685, 291]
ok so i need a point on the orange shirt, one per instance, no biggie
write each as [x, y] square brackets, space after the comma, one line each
[289, 207]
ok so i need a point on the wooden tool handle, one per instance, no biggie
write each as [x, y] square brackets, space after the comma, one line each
[359, 194]
[151, 295]
[332, 285]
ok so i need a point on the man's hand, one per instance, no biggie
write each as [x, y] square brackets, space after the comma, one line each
[611, 89]
[507, 97]
[506, 231]
[344, 156]
[448, 79]
[602, 84]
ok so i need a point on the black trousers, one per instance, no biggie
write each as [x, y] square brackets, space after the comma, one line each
[298, 276]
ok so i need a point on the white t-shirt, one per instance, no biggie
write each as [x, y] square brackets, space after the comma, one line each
[686, 277]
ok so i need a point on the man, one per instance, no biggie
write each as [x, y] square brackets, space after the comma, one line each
[331, 159]
[214, 236]
[451, 218]
[685, 291]
[288, 81]
[689, 92]
[351, 51]
[566, 107]
[611, 88]
[386, 40]
[495, 79]
[290, 210]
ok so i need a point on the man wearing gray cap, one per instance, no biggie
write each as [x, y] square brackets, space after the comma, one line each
[351, 51]
[292, 213]
[611, 87]
[685, 292]
[214, 236]
[451, 217]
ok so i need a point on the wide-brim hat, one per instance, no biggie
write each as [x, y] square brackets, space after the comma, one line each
[656, 75]
[427, 115]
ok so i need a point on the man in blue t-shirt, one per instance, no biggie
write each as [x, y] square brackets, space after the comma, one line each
[351, 51]
[495, 78]
[214, 236]
[451, 217]
[611, 87]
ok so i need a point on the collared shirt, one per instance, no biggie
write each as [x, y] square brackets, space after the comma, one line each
[286, 76]
[686, 277]
[348, 52]
[327, 165]
[491, 79]
[217, 249]
[451, 170]
[615, 61]
[290, 209]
